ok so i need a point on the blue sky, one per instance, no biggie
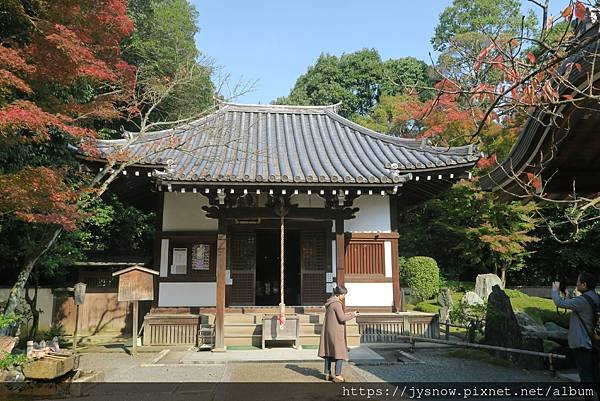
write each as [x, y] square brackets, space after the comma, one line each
[275, 41]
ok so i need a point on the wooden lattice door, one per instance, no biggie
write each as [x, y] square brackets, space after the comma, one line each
[313, 253]
[242, 262]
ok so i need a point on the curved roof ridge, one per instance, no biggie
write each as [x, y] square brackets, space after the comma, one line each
[399, 141]
[276, 107]
[159, 134]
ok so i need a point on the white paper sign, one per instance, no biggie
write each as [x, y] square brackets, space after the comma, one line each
[329, 287]
[329, 277]
[179, 265]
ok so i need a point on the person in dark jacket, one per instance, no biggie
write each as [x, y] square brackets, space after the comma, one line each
[581, 324]
[332, 345]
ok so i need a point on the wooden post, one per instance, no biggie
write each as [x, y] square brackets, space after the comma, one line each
[340, 250]
[397, 306]
[76, 333]
[135, 326]
[220, 302]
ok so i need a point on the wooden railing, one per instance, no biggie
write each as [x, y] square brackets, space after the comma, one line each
[171, 329]
[384, 328]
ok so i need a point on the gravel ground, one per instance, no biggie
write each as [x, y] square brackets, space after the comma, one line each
[140, 372]
[437, 367]
[120, 367]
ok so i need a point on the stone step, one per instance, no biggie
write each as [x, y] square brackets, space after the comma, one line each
[240, 318]
[243, 329]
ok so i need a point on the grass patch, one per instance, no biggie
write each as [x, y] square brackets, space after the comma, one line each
[429, 306]
[542, 310]
[478, 355]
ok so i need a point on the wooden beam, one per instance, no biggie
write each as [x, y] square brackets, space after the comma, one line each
[221, 267]
[269, 213]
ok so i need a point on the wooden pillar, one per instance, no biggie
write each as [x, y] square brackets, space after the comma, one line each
[135, 327]
[221, 267]
[340, 250]
[397, 307]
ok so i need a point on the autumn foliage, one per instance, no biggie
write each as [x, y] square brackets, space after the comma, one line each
[61, 77]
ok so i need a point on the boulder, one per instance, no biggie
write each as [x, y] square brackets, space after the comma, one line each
[484, 284]
[501, 325]
[555, 328]
[445, 298]
[470, 299]
[444, 314]
[531, 328]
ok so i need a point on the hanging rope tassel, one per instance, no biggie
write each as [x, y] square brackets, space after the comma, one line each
[281, 283]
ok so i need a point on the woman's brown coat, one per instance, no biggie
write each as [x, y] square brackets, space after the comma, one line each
[333, 333]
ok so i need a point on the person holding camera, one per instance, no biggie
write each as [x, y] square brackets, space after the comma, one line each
[581, 324]
[332, 344]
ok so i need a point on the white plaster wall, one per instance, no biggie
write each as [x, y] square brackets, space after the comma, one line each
[306, 200]
[387, 248]
[183, 212]
[45, 304]
[374, 214]
[370, 294]
[164, 257]
[187, 294]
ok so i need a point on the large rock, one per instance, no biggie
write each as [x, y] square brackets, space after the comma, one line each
[555, 328]
[531, 328]
[502, 329]
[501, 325]
[484, 284]
[445, 298]
[471, 299]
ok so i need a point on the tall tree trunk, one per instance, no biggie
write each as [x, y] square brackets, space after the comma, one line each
[35, 313]
[503, 277]
[18, 289]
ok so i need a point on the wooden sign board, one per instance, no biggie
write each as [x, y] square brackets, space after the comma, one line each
[136, 283]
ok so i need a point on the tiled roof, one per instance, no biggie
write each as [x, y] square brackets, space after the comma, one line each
[285, 144]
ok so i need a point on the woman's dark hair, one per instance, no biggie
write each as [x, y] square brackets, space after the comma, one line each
[589, 279]
[340, 289]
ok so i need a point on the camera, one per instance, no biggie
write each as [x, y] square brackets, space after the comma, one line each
[563, 286]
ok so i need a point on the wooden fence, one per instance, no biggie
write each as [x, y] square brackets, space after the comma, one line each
[164, 329]
[388, 327]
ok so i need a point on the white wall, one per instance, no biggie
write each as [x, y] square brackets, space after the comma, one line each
[45, 304]
[187, 294]
[370, 294]
[374, 214]
[306, 200]
[387, 248]
[183, 212]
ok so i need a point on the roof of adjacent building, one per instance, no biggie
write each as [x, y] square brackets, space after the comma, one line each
[558, 144]
[286, 144]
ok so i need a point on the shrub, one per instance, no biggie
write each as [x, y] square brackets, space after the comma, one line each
[9, 360]
[56, 330]
[470, 316]
[421, 274]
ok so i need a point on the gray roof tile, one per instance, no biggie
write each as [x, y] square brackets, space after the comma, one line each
[275, 144]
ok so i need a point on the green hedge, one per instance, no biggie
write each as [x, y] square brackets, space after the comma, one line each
[421, 274]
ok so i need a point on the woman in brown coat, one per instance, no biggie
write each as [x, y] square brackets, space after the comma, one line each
[332, 345]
